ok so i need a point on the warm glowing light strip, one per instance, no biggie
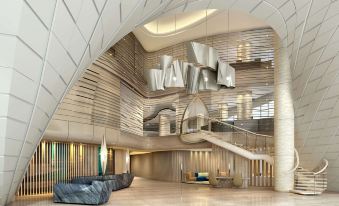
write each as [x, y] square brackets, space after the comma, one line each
[167, 26]
[55, 162]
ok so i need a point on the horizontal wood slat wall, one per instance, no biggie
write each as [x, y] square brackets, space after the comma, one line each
[99, 98]
[94, 99]
[131, 114]
[243, 45]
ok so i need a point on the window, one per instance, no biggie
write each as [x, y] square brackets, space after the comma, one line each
[263, 111]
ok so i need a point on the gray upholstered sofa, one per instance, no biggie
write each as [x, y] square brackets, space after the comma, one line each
[95, 193]
[117, 182]
[92, 190]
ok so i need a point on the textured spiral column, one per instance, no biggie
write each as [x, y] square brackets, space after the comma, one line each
[283, 122]
[244, 105]
[164, 125]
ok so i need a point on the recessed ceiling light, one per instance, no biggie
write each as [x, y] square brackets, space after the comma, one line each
[168, 25]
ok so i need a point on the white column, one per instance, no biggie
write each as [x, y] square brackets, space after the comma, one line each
[244, 105]
[283, 122]
[164, 125]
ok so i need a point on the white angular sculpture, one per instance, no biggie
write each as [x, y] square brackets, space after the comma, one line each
[103, 155]
[230, 77]
[208, 80]
[205, 72]
[202, 55]
[173, 75]
[165, 61]
[155, 79]
[184, 69]
[193, 75]
[226, 74]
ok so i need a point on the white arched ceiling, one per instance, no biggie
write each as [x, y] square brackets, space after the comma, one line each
[193, 27]
[47, 44]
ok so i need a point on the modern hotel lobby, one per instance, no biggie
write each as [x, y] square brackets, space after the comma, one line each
[169, 102]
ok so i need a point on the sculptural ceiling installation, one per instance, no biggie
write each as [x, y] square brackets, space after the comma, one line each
[204, 71]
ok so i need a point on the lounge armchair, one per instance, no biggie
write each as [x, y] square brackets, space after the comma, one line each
[213, 180]
[237, 180]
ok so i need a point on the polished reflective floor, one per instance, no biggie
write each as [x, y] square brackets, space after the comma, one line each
[147, 192]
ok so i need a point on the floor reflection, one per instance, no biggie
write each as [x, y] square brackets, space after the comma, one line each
[145, 192]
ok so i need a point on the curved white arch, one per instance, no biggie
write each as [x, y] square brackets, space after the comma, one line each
[46, 47]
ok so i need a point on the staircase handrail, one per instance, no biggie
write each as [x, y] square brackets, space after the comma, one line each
[208, 120]
[227, 124]
[323, 169]
[239, 128]
[298, 162]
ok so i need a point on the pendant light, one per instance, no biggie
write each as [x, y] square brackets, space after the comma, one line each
[228, 34]
[103, 155]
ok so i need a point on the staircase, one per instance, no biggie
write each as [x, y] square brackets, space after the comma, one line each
[238, 149]
[253, 146]
[245, 143]
[311, 182]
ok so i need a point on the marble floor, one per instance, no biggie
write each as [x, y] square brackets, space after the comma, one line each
[145, 192]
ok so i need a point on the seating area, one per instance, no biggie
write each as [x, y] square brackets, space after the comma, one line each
[196, 177]
[91, 190]
[222, 179]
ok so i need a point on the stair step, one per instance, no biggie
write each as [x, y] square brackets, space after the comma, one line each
[309, 188]
[311, 183]
[307, 183]
[311, 176]
[310, 179]
[304, 173]
[302, 192]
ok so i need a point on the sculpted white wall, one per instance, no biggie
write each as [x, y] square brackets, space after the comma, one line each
[47, 44]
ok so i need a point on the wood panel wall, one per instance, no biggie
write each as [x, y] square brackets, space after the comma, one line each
[171, 165]
[57, 162]
[60, 162]
[167, 165]
[122, 163]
